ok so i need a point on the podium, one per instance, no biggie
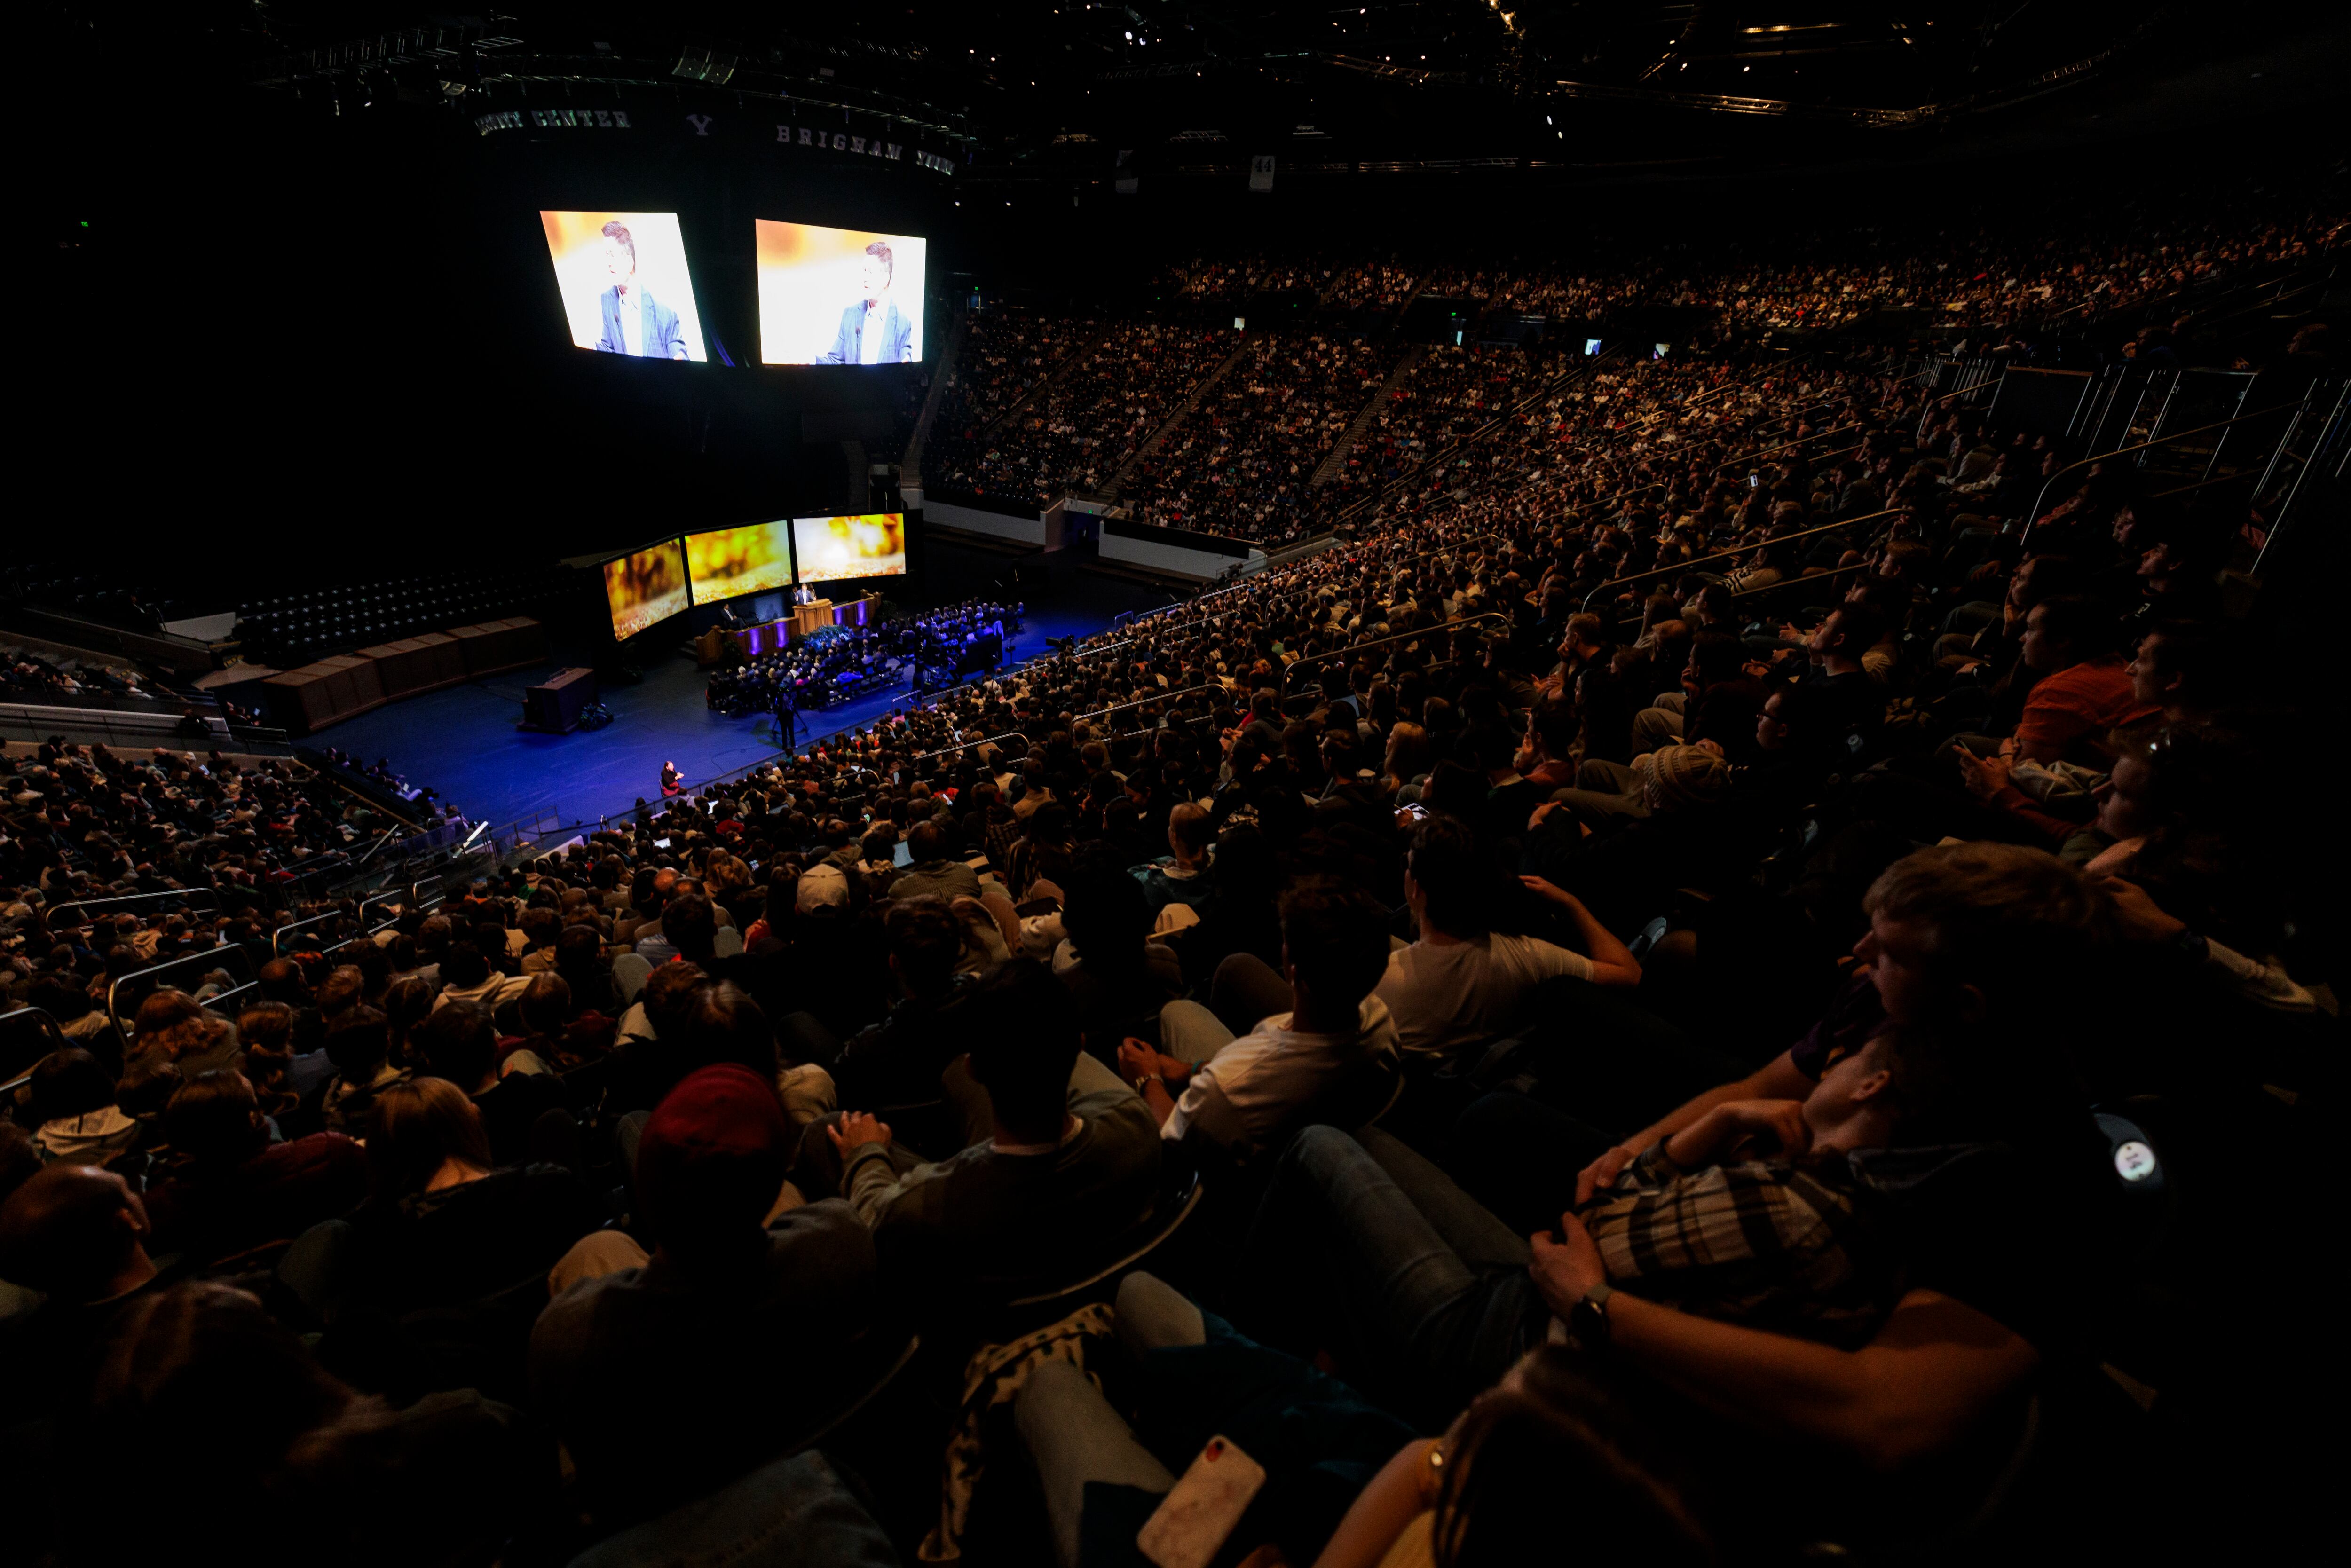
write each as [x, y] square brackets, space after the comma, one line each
[554, 708]
[807, 618]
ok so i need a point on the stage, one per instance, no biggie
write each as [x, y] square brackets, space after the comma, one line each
[463, 741]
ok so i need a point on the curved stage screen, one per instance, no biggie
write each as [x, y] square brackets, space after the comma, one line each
[839, 296]
[624, 283]
[727, 563]
[645, 587]
[830, 549]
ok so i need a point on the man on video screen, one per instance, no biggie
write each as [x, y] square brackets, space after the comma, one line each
[872, 332]
[635, 323]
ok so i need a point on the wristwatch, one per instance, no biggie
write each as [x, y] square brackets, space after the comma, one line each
[1588, 1319]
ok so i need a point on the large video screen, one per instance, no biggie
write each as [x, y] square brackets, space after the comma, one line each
[645, 587]
[829, 548]
[624, 284]
[839, 296]
[726, 562]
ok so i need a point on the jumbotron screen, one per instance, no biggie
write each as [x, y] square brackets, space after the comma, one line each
[726, 563]
[624, 284]
[645, 587]
[839, 296]
[870, 545]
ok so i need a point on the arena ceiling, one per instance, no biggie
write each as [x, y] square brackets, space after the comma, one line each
[1051, 89]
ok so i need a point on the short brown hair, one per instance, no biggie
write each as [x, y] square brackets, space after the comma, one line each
[1998, 916]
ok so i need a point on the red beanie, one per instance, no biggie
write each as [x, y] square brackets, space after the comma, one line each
[714, 1156]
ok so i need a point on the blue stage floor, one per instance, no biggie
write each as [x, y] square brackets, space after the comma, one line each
[463, 741]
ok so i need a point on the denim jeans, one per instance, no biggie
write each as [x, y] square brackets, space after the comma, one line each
[1074, 1436]
[793, 1513]
[1520, 1158]
[1605, 791]
[1368, 1250]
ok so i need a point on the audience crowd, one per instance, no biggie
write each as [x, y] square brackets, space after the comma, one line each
[843, 663]
[1646, 1000]
[1244, 461]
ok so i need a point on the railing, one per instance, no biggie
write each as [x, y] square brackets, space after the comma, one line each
[1131, 617]
[968, 745]
[1444, 548]
[116, 728]
[53, 1038]
[1146, 701]
[1694, 563]
[1441, 628]
[2033, 517]
[1979, 367]
[185, 895]
[277, 938]
[1441, 455]
[230, 958]
[2334, 434]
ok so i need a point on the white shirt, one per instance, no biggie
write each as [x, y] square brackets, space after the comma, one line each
[631, 308]
[1252, 1087]
[869, 337]
[1453, 995]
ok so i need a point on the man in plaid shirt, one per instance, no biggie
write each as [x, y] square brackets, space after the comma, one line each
[1762, 1213]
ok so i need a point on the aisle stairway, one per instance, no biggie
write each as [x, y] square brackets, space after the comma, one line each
[1337, 458]
[1183, 412]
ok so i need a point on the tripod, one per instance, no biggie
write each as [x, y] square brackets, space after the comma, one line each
[789, 723]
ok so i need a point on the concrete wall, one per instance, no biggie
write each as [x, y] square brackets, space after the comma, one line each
[1162, 554]
[1027, 530]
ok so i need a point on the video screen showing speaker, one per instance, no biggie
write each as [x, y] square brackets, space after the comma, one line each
[839, 296]
[645, 587]
[829, 548]
[624, 284]
[726, 563]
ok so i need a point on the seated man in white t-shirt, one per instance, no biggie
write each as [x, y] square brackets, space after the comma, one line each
[1330, 1056]
[1464, 986]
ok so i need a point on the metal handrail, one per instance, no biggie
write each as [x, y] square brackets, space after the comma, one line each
[1800, 579]
[210, 958]
[1146, 702]
[1425, 631]
[1782, 446]
[1139, 616]
[277, 938]
[968, 745]
[1734, 554]
[1782, 585]
[2032, 517]
[182, 893]
[214, 1001]
[1928, 407]
[49, 1026]
[1606, 501]
[1454, 545]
